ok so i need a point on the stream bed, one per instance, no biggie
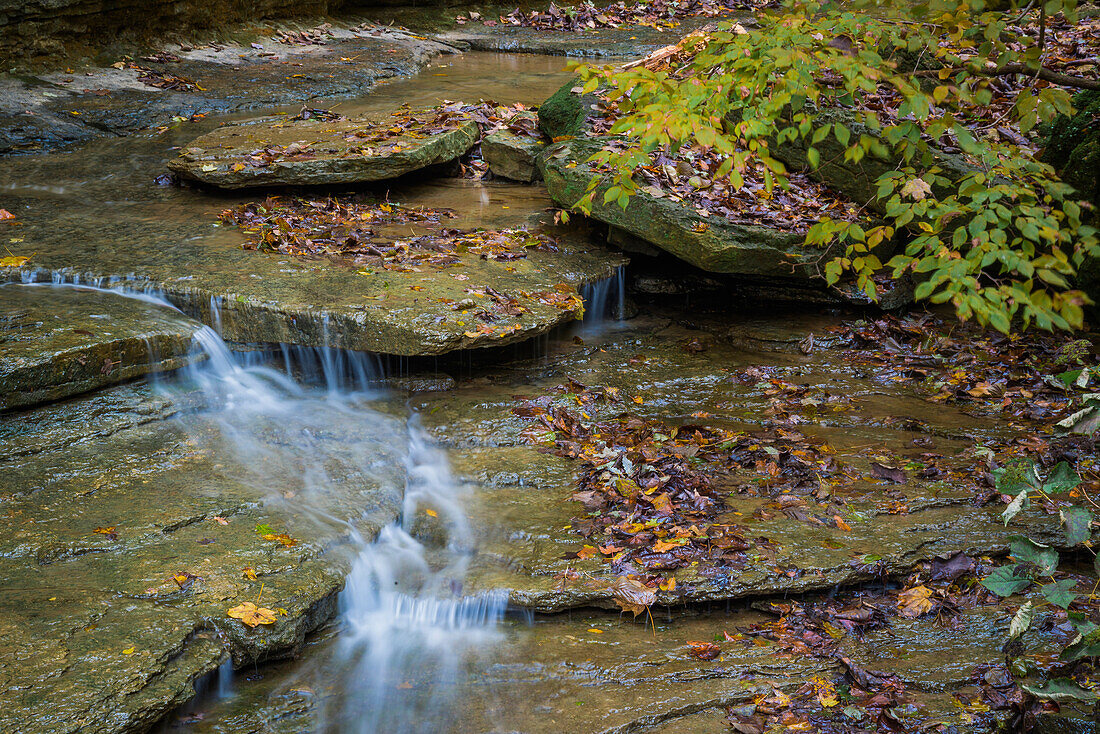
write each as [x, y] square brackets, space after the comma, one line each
[416, 548]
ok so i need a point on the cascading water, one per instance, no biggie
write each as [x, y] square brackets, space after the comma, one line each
[329, 457]
[605, 300]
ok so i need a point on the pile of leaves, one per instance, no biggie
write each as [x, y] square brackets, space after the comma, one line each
[693, 176]
[858, 699]
[1026, 377]
[655, 493]
[166, 80]
[348, 229]
[310, 37]
[652, 13]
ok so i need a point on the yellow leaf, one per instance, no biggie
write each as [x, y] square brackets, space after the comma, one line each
[128, 651]
[249, 573]
[13, 262]
[431, 513]
[595, 631]
[252, 615]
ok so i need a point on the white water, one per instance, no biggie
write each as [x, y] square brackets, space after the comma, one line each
[325, 455]
[605, 300]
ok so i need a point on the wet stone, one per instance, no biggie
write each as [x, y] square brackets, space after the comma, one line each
[58, 342]
[282, 152]
[523, 512]
[511, 155]
[127, 535]
[710, 243]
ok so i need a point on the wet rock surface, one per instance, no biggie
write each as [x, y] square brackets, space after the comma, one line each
[707, 242]
[129, 534]
[52, 108]
[685, 375]
[61, 342]
[276, 152]
[168, 239]
[513, 156]
[626, 41]
[598, 672]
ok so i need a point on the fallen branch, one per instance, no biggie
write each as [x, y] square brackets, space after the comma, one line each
[1047, 75]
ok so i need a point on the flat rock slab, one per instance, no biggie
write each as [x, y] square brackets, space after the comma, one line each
[592, 672]
[708, 242]
[53, 109]
[525, 518]
[58, 342]
[126, 533]
[626, 41]
[289, 152]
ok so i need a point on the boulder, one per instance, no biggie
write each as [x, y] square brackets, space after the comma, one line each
[707, 242]
[1073, 147]
[566, 111]
[59, 342]
[513, 155]
[315, 152]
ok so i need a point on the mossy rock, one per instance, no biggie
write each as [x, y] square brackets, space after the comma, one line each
[513, 155]
[710, 243]
[1073, 147]
[566, 112]
[331, 152]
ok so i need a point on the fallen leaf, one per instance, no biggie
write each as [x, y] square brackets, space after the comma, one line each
[252, 615]
[915, 601]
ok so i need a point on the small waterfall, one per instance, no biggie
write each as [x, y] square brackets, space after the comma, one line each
[605, 300]
[408, 628]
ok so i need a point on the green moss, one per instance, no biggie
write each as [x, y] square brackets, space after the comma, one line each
[1073, 147]
[565, 113]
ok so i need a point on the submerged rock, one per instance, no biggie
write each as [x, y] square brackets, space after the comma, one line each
[59, 342]
[513, 155]
[316, 152]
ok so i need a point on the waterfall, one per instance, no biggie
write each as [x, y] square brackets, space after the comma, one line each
[407, 628]
[605, 300]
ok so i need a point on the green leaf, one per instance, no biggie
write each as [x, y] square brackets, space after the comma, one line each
[1060, 593]
[1060, 689]
[1004, 581]
[1078, 522]
[1087, 645]
[1027, 550]
[1021, 620]
[813, 157]
[1062, 478]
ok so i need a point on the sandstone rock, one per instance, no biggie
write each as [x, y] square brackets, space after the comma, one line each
[116, 596]
[59, 342]
[710, 243]
[280, 152]
[512, 155]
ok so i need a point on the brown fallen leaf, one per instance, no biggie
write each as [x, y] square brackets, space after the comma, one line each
[252, 615]
[889, 473]
[108, 531]
[915, 601]
[704, 650]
